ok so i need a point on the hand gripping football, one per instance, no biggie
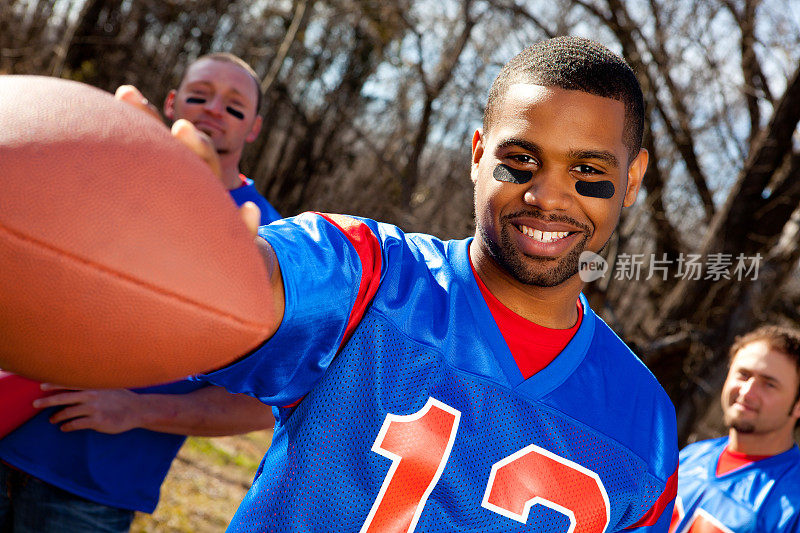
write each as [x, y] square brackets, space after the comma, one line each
[123, 260]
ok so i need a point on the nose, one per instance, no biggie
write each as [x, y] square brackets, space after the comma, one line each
[548, 190]
[747, 388]
[215, 105]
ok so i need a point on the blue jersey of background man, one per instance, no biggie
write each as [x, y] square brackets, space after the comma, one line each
[762, 497]
[409, 413]
[248, 193]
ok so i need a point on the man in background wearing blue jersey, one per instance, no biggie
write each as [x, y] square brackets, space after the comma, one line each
[94, 457]
[749, 481]
[213, 95]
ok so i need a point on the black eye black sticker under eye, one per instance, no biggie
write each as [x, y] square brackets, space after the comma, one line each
[595, 189]
[235, 112]
[195, 100]
[511, 175]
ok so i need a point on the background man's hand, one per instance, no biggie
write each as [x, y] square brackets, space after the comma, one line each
[104, 410]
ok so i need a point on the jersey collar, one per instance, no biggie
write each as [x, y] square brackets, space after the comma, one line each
[554, 374]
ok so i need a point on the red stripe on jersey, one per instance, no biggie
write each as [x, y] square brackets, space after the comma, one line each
[369, 252]
[652, 516]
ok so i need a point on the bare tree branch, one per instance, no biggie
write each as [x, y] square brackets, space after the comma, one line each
[732, 229]
[299, 19]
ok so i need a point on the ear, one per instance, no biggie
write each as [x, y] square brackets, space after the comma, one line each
[169, 105]
[795, 413]
[255, 130]
[477, 153]
[635, 175]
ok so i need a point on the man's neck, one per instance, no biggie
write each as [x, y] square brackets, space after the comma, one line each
[230, 173]
[551, 307]
[759, 444]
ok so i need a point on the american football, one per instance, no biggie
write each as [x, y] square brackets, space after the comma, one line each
[117, 243]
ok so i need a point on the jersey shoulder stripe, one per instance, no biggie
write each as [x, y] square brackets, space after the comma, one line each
[662, 503]
[369, 253]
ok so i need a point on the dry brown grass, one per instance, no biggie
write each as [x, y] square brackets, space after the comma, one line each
[208, 479]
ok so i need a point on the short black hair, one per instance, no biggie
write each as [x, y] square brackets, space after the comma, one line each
[236, 60]
[575, 63]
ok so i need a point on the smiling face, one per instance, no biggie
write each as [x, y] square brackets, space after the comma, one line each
[220, 99]
[535, 230]
[760, 393]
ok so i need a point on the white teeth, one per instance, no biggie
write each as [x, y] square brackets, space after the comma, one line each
[543, 236]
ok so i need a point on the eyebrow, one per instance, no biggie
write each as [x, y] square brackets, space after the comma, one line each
[521, 143]
[208, 84]
[765, 377]
[603, 155]
[769, 378]
[202, 83]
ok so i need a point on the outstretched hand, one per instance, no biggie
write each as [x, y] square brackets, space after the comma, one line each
[197, 141]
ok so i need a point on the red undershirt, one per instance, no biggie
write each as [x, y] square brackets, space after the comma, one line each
[533, 346]
[730, 461]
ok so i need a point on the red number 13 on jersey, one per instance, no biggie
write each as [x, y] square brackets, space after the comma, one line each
[419, 446]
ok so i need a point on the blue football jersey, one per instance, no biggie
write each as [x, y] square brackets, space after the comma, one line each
[248, 193]
[408, 412]
[762, 497]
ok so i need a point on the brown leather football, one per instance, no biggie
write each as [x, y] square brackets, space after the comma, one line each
[123, 260]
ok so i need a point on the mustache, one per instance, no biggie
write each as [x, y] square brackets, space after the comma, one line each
[535, 212]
